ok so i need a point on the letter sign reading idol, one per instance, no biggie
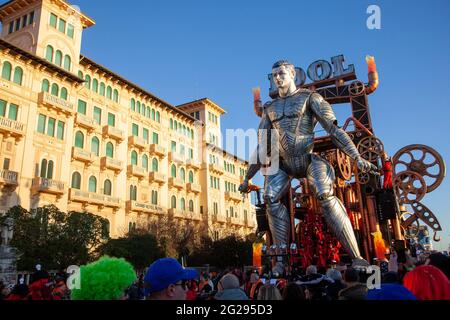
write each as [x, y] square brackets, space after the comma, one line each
[318, 71]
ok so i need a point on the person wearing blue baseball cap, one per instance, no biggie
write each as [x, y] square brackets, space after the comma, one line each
[166, 279]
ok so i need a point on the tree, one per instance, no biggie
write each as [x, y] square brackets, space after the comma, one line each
[139, 247]
[53, 238]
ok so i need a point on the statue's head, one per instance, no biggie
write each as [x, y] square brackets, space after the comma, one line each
[283, 73]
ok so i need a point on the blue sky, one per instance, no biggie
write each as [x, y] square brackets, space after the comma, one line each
[185, 50]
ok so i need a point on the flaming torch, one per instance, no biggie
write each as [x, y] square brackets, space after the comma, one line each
[257, 104]
[372, 75]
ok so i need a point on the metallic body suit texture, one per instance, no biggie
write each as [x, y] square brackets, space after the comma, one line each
[293, 119]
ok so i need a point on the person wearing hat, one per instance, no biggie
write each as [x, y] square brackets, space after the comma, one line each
[229, 289]
[166, 279]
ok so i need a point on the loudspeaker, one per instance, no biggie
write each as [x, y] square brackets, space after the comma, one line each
[386, 204]
[261, 219]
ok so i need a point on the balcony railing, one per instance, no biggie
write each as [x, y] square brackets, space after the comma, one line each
[45, 185]
[132, 205]
[234, 196]
[218, 218]
[113, 133]
[84, 121]
[12, 127]
[137, 142]
[191, 163]
[111, 201]
[112, 164]
[249, 223]
[216, 169]
[236, 221]
[158, 150]
[175, 213]
[136, 171]
[175, 157]
[9, 178]
[157, 177]
[195, 188]
[82, 155]
[176, 183]
[55, 102]
[93, 198]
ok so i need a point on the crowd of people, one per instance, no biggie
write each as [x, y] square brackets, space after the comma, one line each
[422, 278]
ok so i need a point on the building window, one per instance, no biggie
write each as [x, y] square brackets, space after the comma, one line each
[98, 115]
[182, 204]
[62, 25]
[145, 162]
[63, 93]
[67, 62]
[102, 89]
[173, 202]
[153, 114]
[46, 169]
[82, 106]
[191, 177]
[2, 108]
[111, 120]
[109, 93]
[18, 75]
[154, 197]
[41, 123]
[53, 20]
[79, 140]
[55, 90]
[173, 171]
[12, 112]
[173, 146]
[11, 27]
[49, 53]
[138, 107]
[58, 58]
[134, 158]
[6, 70]
[87, 82]
[133, 193]
[95, 85]
[133, 104]
[109, 150]
[31, 17]
[155, 165]
[191, 153]
[51, 127]
[158, 117]
[107, 187]
[171, 124]
[135, 130]
[95, 146]
[76, 181]
[191, 206]
[182, 174]
[155, 138]
[116, 96]
[70, 30]
[92, 184]
[145, 134]
[60, 131]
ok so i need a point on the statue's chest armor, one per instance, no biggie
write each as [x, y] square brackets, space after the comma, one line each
[285, 114]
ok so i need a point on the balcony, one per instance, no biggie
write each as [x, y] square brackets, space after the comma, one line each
[218, 218]
[179, 214]
[86, 197]
[136, 171]
[111, 201]
[233, 196]
[109, 163]
[249, 223]
[157, 177]
[137, 142]
[157, 150]
[194, 188]
[82, 155]
[44, 185]
[84, 121]
[195, 216]
[214, 168]
[9, 178]
[52, 101]
[132, 205]
[193, 164]
[113, 133]
[11, 127]
[175, 157]
[236, 221]
[176, 183]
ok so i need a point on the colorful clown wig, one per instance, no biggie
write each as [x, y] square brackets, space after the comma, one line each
[105, 279]
[427, 283]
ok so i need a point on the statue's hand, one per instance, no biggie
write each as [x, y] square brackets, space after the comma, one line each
[366, 166]
[243, 188]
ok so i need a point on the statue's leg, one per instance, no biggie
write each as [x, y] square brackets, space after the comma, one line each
[321, 179]
[278, 216]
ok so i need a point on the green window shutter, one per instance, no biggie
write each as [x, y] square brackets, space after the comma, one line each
[173, 171]
[145, 162]
[79, 140]
[109, 150]
[183, 204]
[64, 93]
[95, 85]
[12, 113]
[93, 184]
[191, 177]
[62, 25]
[49, 53]
[155, 165]
[6, 70]
[109, 93]
[2, 108]
[134, 158]
[135, 130]
[191, 153]
[58, 58]
[171, 124]
[183, 174]
[98, 115]
[55, 90]
[53, 19]
[70, 30]
[132, 104]
[173, 202]
[158, 117]
[111, 120]
[76, 181]
[60, 131]
[41, 123]
[51, 127]
[45, 85]
[67, 62]
[107, 187]
[173, 146]
[102, 89]
[116, 96]
[155, 138]
[153, 114]
[82, 107]
[145, 134]
[18, 75]
[95, 146]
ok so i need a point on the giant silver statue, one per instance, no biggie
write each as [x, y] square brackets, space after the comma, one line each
[292, 117]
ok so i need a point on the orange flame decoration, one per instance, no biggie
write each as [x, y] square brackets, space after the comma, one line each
[373, 75]
[380, 246]
[371, 64]
[256, 94]
[257, 251]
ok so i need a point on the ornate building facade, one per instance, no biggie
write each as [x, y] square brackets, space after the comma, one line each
[77, 135]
